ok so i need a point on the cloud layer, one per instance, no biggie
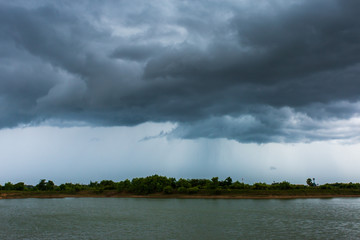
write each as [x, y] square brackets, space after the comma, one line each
[270, 71]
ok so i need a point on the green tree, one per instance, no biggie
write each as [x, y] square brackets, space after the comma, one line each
[168, 190]
[182, 190]
[201, 183]
[20, 186]
[108, 184]
[260, 186]
[183, 183]
[45, 186]
[214, 182]
[9, 186]
[238, 185]
[124, 186]
[228, 182]
[41, 185]
[284, 185]
[150, 184]
[93, 184]
[309, 182]
[50, 186]
[193, 190]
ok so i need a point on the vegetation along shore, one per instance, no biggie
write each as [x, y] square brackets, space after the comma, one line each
[163, 187]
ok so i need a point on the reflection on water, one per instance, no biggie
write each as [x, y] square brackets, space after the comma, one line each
[129, 218]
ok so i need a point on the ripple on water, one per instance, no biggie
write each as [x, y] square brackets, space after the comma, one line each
[129, 218]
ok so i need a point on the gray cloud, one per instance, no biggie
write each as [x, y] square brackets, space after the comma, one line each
[139, 52]
[278, 71]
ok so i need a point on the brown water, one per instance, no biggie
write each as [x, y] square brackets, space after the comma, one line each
[129, 218]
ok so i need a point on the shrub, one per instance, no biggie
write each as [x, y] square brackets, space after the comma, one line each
[19, 186]
[218, 191]
[237, 185]
[284, 185]
[326, 186]
[260, 186]
[168, 190]
[182, 190]
[193, 190]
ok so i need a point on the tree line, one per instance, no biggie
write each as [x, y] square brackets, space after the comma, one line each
[162, 184]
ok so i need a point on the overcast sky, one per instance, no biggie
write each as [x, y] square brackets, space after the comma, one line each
[260, 90]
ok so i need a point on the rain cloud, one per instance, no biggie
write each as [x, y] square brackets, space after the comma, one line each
[264, 71]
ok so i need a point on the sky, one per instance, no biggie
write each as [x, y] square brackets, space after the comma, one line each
[256, 90]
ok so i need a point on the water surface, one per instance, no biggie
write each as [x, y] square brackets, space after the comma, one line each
[130, 218]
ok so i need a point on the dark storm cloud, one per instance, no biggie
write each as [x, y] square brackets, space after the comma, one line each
[136, 52]
[274, 71]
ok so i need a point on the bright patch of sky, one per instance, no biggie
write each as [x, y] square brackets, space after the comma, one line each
[83, 154]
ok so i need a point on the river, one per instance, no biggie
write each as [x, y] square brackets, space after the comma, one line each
[133, 218]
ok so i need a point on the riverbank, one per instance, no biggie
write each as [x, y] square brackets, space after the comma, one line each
[245, 195]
